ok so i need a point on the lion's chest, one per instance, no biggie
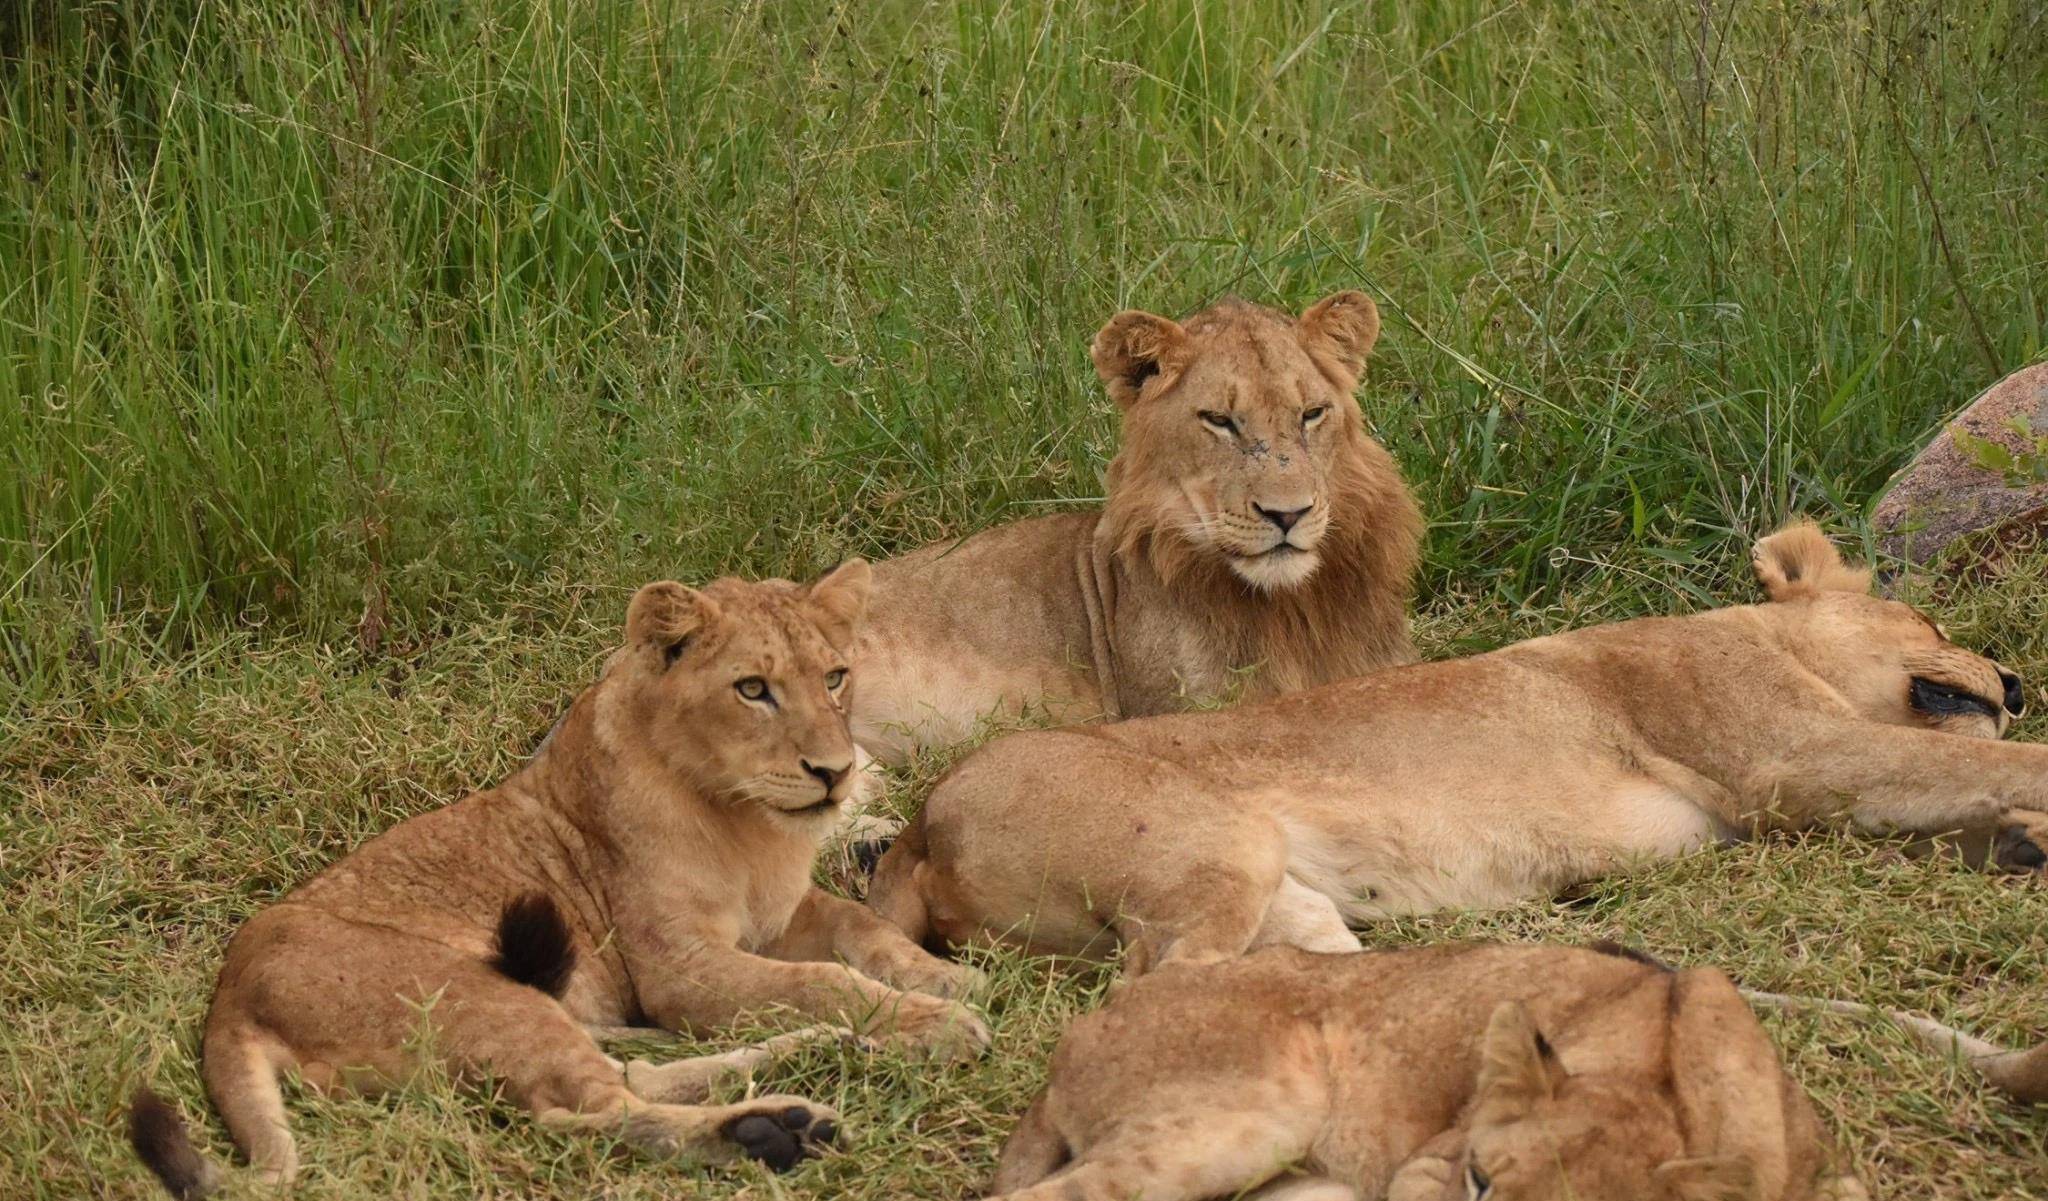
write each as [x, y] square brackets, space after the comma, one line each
[770, 893]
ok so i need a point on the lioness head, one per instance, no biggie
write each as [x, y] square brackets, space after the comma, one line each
[740, 689]
[1887, 658]
[1237, 425]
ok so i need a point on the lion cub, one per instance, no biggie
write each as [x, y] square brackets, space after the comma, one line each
[650, 864]
[1453, 1073]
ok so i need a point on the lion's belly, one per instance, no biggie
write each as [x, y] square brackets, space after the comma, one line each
[1379, 857]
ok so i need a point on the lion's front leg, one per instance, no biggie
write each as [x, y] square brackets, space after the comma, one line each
[1433, 1172]
[1901, 779]
[828, 927]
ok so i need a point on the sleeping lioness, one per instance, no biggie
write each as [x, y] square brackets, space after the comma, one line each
[651, 864]
[1452, 1073]
[1472, 782]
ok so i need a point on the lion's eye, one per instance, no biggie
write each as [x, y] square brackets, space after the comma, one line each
[754, 688]
[1311, 416]
[1477, 1183]
[835, 677]
[1218, 421]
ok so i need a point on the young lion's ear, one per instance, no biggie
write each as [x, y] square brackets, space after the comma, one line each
[666, 615]
[1798, 562]
[1517, 1067]
[839, 600]
[1346, 326]
[1133, 348]
[1708, 1178]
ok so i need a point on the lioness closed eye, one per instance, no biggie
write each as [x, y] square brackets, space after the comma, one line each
[650, 864]
[1474, 782]
[1451, 1073]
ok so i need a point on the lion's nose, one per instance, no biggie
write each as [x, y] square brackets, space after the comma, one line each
[2015, 695]
[826, 774]
[1284, 518]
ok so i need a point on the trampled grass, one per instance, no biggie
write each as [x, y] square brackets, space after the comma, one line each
[368, 355]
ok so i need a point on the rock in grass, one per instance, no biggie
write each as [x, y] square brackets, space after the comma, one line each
[1988, 470]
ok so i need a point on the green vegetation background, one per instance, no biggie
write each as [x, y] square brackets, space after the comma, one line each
[366, 354]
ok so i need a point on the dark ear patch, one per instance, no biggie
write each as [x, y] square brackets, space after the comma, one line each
[1944, 700]
[534, 946]
[2015, 694]
[674, 651]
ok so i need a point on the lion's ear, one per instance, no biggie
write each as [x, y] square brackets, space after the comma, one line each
[1799, 562]
[666, 616]
[839, 600]
[1132, 348]
[1708, 1178]
[1517, 1067]
[1345, 325]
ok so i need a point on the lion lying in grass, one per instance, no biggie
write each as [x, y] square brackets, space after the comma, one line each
[1473, 782]
[650, 864]
[1450, 1073]
[1255, 539]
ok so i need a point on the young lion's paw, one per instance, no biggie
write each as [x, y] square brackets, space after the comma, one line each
[944, 1030]
[782, 1132]
[2022, 844]
[939, 978]
[1424, 1178]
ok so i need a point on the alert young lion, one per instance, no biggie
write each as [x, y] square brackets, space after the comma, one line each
[1450, 1073]
[1255, 537]
[1472, 782]
[650, 864]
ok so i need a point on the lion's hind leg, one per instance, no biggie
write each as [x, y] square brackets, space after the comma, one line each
[1299, 916]
[692, 1080]
[1182, 1156]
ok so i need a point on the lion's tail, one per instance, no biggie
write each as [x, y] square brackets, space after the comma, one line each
[1034, 1151]
[164, 1145]
[2021, 1074]
[895, 891]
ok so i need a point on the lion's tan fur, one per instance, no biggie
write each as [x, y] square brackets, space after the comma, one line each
[1551, 1072]
[1468, 783]
[671, 825]
[1157, 602]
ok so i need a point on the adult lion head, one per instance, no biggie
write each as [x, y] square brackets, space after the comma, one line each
[1243, 445]
[739, 690]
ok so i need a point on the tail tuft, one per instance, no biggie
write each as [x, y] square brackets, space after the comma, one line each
[165, 1147]
[534, 945]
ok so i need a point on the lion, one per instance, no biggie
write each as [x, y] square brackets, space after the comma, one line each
[1255, 540]
[650, 864]
[1476, 782]
[1474, 1072]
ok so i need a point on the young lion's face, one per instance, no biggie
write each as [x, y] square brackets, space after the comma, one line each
[741, 689]
[1235, 423]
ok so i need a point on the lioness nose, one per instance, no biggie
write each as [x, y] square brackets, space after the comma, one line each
[1284, 518]
[2015, 695]
[828, 776]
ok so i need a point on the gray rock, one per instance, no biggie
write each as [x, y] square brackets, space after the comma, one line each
[1944, 494]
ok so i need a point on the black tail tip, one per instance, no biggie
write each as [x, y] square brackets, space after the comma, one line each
[165, 1147]
[534, 944]
[867, 854]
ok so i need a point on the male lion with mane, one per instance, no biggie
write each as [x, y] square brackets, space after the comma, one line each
[1255, 537]
[650, 864]
[1450, 1073]
[1476, 782]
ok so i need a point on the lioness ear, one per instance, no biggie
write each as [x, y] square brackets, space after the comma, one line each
[1799, 562]
[1708, 1178]
[665, 616]
[1517, 1067]
[840, 599]
[1346, 325]
[1133, 348]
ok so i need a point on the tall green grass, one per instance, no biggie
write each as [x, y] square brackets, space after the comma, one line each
[334, 314]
